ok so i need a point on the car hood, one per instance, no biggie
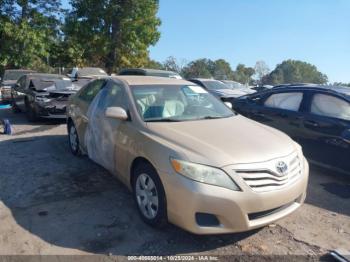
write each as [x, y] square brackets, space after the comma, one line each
[228, 92]
[8, 82]
[221, 142]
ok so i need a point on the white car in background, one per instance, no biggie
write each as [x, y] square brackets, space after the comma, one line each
[238, 86]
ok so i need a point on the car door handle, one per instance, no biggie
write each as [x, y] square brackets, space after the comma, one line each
[311, 123]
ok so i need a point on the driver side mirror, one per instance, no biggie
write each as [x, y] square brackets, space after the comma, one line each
[346, 135]
[117, 113]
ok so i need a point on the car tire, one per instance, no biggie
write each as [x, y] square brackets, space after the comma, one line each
[73, 139]
[31, 113]
[149, 196]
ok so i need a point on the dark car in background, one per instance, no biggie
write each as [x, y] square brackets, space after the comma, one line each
[218, 89]
[149, 72]
[42, 95]
[317, 117]
[9, 79]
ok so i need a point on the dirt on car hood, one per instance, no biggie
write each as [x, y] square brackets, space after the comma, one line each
[225, 141]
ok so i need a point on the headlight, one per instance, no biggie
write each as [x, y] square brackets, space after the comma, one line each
[204, 174]
[300, 155]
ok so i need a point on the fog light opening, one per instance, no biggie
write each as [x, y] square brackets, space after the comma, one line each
[207, 220]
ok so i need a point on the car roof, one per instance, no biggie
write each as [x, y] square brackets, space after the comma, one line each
[148, 70]
[313, 87]
[150, 80]
[204, 79]
[20, 70]
[43, 75]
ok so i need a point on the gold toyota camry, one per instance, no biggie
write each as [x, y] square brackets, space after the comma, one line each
[187, 158]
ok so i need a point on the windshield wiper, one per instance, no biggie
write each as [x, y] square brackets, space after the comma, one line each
[212, 117]
[163, 120]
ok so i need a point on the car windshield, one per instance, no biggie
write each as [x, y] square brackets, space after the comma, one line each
[177, 103]
[14, 75]
[214, 85]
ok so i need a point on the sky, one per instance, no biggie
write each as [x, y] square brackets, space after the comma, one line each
[245, 31]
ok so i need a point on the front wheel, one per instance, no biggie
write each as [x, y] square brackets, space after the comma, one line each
[15, 108]
[31, 112]
[149, 196]
[73, 139]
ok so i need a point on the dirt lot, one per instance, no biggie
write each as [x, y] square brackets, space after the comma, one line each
[54, 203]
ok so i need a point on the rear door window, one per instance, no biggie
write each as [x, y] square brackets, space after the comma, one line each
[330, 106]
[288, 101]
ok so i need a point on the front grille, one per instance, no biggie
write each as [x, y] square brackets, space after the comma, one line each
[267, 178]
[59, 97]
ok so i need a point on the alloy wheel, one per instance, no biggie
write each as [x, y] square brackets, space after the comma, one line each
[147, 196]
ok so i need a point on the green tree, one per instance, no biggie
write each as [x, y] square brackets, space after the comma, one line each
[115, 33]
[341, 84]
[243, 74]
[199, 68]
[294, 71]
[222, 70]
[154, 65]
[27, 30]
[173, 64]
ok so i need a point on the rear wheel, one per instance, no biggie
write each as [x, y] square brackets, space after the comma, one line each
[149, 196]
[73, 139]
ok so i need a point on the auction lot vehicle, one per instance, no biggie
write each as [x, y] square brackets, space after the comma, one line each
[317, 117]
[9, 79]
[81, 76]
[238, 86]
[218, 89]
[149, 72]
[42, 95]
[187, 158]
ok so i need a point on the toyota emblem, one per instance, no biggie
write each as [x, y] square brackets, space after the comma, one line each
[282, 168]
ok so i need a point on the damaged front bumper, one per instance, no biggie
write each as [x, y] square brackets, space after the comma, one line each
[52, 106]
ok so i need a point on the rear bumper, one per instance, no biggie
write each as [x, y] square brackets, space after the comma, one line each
[235, 211]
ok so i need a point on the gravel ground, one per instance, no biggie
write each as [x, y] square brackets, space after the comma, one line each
[52, 203]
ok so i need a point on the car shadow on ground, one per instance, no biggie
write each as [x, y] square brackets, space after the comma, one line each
[71, 202]
[329, 190]
[20, 119]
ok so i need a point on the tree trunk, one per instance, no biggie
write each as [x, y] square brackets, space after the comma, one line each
[113, 59]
